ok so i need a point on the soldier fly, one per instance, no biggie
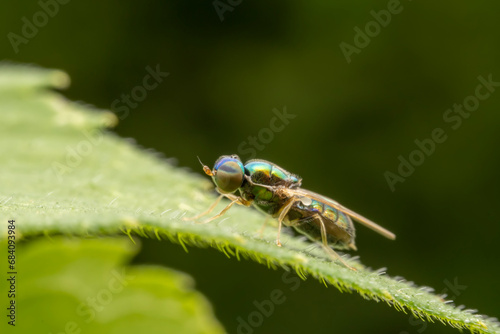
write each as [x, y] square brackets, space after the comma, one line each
[278, 193]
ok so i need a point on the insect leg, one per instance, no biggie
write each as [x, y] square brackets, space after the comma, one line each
[261, 231]
[210, 209]
[325, 245]
[282, 214]
[222, 212]
[234, 200]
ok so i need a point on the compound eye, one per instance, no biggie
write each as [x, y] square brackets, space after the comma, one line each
[229, 175]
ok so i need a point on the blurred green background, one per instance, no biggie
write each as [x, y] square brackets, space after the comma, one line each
[352, 122]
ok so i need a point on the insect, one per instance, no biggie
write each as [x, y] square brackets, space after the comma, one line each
[278, 193]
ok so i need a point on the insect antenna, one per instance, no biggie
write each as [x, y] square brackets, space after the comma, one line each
[206, 169]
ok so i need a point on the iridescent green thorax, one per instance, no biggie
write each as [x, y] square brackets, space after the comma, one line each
[264, 172]
[268, 174]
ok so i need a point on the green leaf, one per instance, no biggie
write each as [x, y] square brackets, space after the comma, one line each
[78, 285]
[65, 174]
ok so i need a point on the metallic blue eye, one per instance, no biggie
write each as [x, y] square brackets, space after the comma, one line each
[228, 173]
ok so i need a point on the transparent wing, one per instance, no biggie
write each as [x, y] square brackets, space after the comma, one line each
[334, 204]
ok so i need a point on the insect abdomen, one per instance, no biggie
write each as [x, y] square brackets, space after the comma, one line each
[339, 228]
